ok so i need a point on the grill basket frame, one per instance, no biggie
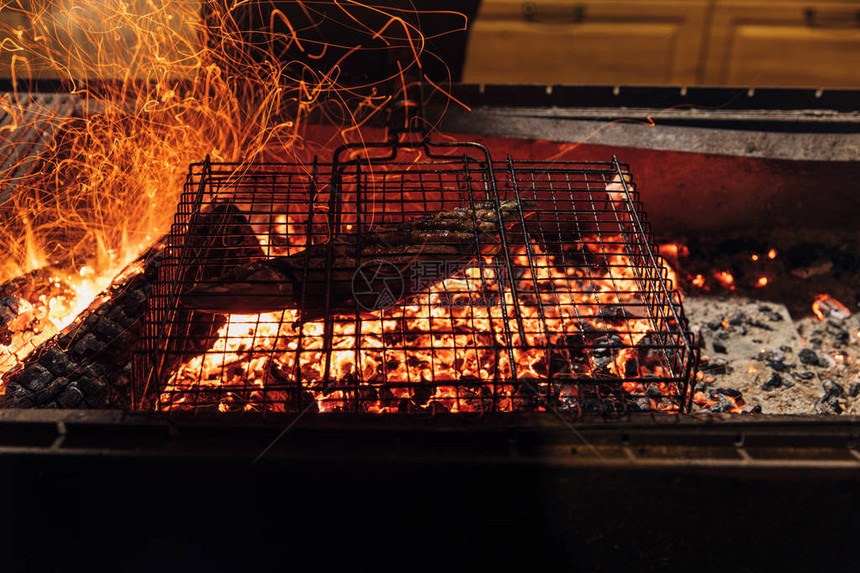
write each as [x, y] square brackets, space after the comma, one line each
[587, 215]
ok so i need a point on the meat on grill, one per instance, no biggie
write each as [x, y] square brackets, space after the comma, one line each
[369, 271]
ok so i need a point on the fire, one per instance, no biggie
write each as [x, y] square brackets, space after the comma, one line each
[259, 362]
[762, 282]
[825, 306]
[161, 88]
[723, 402]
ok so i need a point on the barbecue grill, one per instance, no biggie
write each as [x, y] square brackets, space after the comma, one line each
[573, 312]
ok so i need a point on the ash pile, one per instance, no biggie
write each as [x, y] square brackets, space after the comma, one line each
[757, 359]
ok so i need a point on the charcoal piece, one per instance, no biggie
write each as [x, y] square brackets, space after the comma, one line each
[755, 409]
[631, 368]
[774, 382]
[653, 392]
[70, 397]
[780, 366]
[774, 316]
[45, 397]
[805, 375]
[759, 324]
[36, 379]
[719, 347]
[93, 391]
[87, 345]
[737, 319]
[808, 356]
[831, 387]
[731, 392]
[575, 344]
[828, 405]
[720, 365]
[57, 361]
[854, 390]
[722, 404]
[774, 355]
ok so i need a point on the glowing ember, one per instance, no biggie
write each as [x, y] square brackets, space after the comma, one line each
[429, 340]
[826, 306]
[771, 254]
[762, 281]
[726, 279]
[699, 281]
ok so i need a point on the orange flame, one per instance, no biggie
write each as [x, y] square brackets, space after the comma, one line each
[825, 306]
[160, 84]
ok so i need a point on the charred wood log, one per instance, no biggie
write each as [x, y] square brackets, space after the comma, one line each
[87, 365]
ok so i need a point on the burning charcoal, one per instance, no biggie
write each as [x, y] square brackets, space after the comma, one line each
[732, 393]
[88, 356]
[723, 404]
[653, 392]
[774, 382]
[613, 314]
[737, 319]
[719, 347]
[831, 387]
[808, 356]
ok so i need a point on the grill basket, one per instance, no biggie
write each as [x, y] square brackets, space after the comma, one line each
[569, 310]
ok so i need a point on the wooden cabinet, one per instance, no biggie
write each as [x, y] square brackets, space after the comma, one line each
[711, 42]
[811, 44]
[596, 41]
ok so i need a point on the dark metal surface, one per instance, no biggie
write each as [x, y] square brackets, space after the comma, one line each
[773, 447]
[796, 124]
[580, 301]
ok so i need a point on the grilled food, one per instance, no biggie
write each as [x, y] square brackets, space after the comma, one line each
[368, 271]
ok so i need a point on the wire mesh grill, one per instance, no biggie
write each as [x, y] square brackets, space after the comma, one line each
[563, 305]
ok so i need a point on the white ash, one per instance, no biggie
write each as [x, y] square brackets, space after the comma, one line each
[784, 366]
